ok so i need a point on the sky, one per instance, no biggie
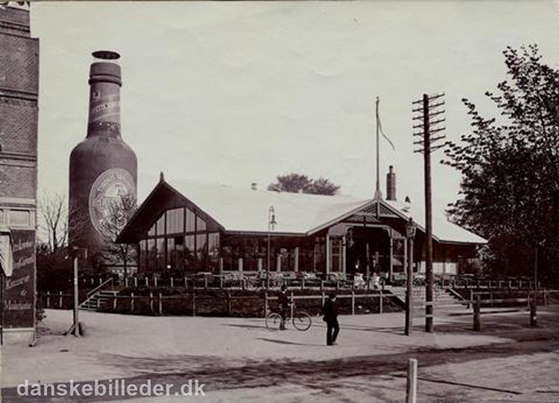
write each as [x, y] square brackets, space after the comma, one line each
[240, 92]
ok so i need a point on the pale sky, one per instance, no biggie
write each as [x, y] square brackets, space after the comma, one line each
[240, 92]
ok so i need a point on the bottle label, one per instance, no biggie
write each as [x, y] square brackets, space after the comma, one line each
[109, 197]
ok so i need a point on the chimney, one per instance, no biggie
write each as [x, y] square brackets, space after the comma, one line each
[254, 186]
[391, 184]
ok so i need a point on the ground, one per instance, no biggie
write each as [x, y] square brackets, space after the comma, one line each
[238, 360]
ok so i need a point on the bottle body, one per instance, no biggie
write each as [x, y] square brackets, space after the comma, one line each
[103, 168]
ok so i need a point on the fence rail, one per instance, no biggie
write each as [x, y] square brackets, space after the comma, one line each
[194, 303]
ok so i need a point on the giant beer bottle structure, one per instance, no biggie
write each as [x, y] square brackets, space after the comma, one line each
[103, 168]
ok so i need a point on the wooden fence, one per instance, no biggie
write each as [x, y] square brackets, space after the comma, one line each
[228, 304]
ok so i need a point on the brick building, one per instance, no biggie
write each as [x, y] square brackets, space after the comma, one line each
[19, 86]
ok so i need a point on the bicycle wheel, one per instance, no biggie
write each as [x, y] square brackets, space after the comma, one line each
[302, 321]
[273, 321]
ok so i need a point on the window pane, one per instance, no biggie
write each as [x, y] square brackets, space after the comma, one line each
[171, 253]
[189, 252]
[200, 225]
[161, 225]
[151, 231]
[190, 220]
[152, 262]
[175, 221]
[179, 253]
[201, 250]
[160, 254]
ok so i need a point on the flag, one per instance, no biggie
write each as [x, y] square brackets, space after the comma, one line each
[384, 135]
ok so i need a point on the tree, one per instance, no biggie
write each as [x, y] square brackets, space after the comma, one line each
[54, 215]
[510, 170]
[120, 212]
[293, 183]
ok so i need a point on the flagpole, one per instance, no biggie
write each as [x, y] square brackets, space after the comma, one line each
[378, 194]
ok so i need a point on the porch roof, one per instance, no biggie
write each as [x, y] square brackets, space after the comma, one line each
[246, 211]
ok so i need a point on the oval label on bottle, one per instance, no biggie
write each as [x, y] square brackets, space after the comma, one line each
[106, 201]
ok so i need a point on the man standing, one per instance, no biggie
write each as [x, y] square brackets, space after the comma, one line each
[283, 305]
[330, 313]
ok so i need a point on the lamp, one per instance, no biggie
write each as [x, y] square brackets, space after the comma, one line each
[411, 229]
[271, 226]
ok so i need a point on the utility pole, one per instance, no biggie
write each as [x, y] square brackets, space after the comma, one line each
[429, 109]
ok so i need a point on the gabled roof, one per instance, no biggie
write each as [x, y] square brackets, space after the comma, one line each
[246, 210]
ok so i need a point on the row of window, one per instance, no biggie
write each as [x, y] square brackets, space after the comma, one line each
[177, 221]
[196, 252]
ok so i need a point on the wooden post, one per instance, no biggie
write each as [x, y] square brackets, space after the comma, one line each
[533, 310]
[98, 302]
[60, 300]
[228, 303]
[193, 304]
[411, 384]
[409, 314]
[205, 282]
[296, 259]
[323, 298]
[471, 300]
[151, 301]
[172, 283]
[352, 302]
[477, 314]
[380, 307]
[114, 302]
[160, 304]
[48, 299]
[303, 283]
[131, 302]
[265, 304]
[544, 296]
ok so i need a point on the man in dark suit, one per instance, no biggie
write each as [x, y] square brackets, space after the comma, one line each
[330, 314]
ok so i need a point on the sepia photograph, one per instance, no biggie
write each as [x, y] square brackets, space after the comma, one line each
[279, 201]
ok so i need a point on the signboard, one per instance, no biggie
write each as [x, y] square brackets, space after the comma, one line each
[18, 299]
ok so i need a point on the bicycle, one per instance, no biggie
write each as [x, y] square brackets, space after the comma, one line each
[301, 320]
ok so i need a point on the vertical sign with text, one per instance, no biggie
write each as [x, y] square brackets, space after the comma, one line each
[19, 292]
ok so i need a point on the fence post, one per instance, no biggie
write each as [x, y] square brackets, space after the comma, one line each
[185, 282]
[193, 304]
[205, 282]
[228, 303]
[303, 283]
[352, 302]
[151, 301]
[160, 305]
[533, 311]
[265, 304]
[380, 302]
[544, 297]
[477, 313]
[172, 283]
[48, 299]
[60, 300]
[98, 302]
[411, 384]
[131, 302]
[323, 298]
[471, 300]
[114, 302]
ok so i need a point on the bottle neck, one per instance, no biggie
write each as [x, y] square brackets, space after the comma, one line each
[104, 103]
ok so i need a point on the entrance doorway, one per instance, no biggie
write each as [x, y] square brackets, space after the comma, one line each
[368, 251]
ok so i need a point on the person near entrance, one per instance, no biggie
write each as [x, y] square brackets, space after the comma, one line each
[283, 305]
[330, 316]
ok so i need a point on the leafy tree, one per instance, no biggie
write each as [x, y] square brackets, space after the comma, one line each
[293, 183]
[510, 170]
[120, 212]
